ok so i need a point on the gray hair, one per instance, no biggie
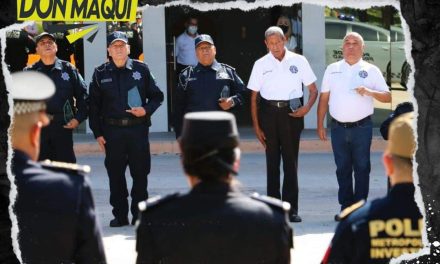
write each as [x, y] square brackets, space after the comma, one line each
[272, 31]
[356, 35]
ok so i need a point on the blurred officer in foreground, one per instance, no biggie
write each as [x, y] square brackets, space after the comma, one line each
[389, 227]
[67, 108]
[214, 222]
[54, 205]
[123, 96]
[209, 86]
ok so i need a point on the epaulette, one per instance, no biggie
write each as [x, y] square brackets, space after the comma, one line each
[64, 166]
[227, 66]
[347, 211]
[271, 201]
[155, 201]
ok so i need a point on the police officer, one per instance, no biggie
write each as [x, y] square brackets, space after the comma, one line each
[209, 86]
[54, 206]
[388, 227]
[279, 77]
[19, 44]
[214, 222]
[67, 108]
[123, 96]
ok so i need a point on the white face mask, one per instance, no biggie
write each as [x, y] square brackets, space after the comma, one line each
[192, 30]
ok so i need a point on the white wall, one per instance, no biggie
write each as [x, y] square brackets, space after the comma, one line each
[314, 50]
[154, 47]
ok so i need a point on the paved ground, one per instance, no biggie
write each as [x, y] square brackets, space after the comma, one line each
[318, 198]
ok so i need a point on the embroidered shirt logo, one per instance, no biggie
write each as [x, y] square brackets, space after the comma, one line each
[293, 69]
[363, 74]
[65, 76]
[137, 76]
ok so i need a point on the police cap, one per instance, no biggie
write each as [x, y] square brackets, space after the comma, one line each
[116, 35]
[30, 90]
[42, 35]
[203, 38]
[401, 140]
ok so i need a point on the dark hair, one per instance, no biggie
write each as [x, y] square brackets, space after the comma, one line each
[208, 164]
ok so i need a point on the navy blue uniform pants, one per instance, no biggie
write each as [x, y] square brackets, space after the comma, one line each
[351, 149]
[56, 143]
[282, 141]
[127, 146]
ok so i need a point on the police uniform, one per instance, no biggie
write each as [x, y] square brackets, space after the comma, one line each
[214, 222]
[381, 230]
[278, 82]
[54, 204]
[126, 136]
[19, 44]
[55, 211]
[68, 102]
[200, 88]
[351, 126]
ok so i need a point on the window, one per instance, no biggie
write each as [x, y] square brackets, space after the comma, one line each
[367, 33]
[335, 30]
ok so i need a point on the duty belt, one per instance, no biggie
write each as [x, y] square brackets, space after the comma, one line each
[276, 103]
[125, 121]
[352, 124]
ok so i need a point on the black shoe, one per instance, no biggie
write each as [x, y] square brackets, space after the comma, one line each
[337, 218]
[118, 223]
[295, 218]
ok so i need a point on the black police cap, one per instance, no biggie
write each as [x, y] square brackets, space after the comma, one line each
[211, 129]
[203, 38]
[116, 35]
[42, 35]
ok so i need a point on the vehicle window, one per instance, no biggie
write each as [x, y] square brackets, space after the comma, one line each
[382, 36]
[335, 30]
[400, 36]
[366, 33]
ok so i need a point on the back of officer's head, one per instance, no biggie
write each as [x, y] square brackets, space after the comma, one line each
[209, 144]
[29, 90]
[400, 149]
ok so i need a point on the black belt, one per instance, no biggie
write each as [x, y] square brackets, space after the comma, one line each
[125, 121]
[352, 124]
[276, 103]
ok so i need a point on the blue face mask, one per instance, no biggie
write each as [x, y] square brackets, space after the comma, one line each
[192, 30]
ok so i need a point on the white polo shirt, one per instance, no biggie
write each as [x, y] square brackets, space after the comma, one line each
[340, 79]
[281, 80]
[186, 50]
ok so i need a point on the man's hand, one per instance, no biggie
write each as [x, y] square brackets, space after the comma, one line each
[101, 142]
[260, 135]
[364, 91]
[226, 103]
[72, 124]
[322, 133]
[300, 112]
[137, 111]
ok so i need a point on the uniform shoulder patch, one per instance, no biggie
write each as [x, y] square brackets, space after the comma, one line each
[64, 166]
[156, 201]
[271, 201]
[228, 66]
[347, 211]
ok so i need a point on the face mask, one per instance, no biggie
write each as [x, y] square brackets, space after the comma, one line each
[284, 28]
[192, 30]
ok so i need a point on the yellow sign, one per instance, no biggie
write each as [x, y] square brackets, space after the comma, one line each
[77, 10]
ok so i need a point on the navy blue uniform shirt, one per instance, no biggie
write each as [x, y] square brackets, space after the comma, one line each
[380, 230]
[69, 85]
[109, 92]
[55, 213]
[199, 89]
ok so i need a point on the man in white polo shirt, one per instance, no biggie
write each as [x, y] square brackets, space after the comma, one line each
[348, 89]
[278, 78]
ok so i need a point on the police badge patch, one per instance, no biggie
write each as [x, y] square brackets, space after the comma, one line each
[293, 69]
[65, 76]
[222, 75]
[137, 76]
[363, 74]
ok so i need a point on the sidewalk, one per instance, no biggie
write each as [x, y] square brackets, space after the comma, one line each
[165, 142]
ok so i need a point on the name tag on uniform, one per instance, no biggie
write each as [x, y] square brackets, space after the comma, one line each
[192, 79]
[335, 72]
[106, 80]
